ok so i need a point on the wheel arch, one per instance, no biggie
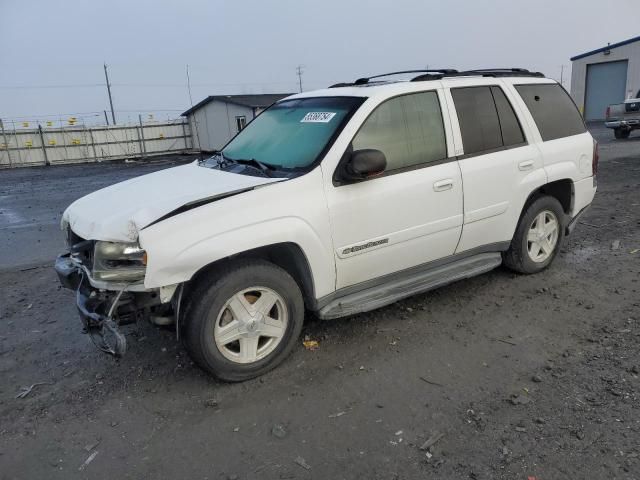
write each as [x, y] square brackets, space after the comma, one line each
[562, 190]
[287, 255]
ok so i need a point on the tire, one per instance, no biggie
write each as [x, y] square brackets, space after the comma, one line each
[521, 255]
[621, 133]
[220, 309]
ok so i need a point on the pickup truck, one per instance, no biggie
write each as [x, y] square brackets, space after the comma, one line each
[624, 117]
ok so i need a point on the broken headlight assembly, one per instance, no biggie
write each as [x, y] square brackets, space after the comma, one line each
[119, 262]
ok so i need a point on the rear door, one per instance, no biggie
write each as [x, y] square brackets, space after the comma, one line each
[412, 213]
[497, 163]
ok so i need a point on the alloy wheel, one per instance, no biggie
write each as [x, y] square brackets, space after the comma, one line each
[251, 324]
[542, 236]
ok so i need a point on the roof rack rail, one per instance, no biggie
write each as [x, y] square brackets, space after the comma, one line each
[365, 80]
[483, 72]
[439, 73]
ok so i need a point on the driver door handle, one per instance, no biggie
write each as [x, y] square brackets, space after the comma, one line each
[442, 185]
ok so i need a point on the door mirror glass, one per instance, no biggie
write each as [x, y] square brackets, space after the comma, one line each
[365, 163]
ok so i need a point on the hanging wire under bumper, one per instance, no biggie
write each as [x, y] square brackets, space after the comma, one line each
[96, 308]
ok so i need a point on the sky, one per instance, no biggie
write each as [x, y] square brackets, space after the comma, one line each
[52, 55]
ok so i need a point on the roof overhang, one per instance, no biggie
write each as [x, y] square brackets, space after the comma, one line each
[604, 49]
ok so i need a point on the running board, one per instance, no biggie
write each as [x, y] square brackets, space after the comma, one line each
[404, 286]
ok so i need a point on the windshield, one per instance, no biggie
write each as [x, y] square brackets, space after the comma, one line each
[293, 133]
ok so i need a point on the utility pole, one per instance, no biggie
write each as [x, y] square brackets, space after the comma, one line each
[106, 76]
[195, 118]
[189, 86]
[561, 75]
[299, 72]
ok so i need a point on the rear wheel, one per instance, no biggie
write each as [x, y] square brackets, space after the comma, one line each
[538, 236]
[621, 133]
[244, 320]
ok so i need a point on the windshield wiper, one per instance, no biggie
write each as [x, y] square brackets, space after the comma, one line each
[216, 156]
[252, 162]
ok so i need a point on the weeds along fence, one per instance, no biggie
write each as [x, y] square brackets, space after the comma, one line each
[80, 144]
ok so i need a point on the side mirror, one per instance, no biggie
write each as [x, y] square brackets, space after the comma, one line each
[363, 164]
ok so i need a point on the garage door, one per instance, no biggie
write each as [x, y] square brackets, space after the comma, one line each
[606, 84]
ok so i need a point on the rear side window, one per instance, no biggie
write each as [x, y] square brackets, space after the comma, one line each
[552, 109]
[407, 129]
[487, 120]
[478, 119]
[511, 130]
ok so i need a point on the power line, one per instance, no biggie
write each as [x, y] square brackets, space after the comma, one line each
[78, 85]
[159, 85]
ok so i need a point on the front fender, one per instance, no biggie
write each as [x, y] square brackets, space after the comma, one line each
[183, 264]
[289, 212]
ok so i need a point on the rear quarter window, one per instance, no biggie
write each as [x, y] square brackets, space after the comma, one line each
[552, 109]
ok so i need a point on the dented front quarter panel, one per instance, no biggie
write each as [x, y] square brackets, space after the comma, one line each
[293, 211]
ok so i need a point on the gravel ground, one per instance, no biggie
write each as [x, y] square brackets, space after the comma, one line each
[507, 376]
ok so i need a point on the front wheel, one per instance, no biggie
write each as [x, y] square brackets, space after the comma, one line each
[538, 237]
[244, 320]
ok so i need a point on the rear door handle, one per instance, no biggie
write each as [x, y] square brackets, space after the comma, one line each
[442, 185]
[526, 165]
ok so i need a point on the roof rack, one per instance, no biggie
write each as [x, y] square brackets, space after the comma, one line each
[439, 73]
[366, 80]
[483, 72]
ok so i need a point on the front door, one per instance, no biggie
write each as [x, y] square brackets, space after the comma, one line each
[412, 213]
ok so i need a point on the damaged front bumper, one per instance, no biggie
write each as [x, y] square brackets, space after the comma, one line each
[103, 311]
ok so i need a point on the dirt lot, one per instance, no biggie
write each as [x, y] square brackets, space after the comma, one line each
[525, 376]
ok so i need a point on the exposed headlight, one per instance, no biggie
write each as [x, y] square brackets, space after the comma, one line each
[119, 262]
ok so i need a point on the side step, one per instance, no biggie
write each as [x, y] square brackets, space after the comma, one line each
[405, 286]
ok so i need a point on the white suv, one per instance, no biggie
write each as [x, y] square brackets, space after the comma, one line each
[335, 201]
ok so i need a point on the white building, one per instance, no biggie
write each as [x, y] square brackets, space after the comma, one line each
[217, 118]
[605, 76]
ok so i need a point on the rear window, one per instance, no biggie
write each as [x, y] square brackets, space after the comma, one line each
[553, 110]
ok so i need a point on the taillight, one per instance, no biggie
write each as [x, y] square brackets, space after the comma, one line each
[608, 112]
[596, 157]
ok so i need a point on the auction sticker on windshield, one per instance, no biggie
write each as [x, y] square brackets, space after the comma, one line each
[318, 117]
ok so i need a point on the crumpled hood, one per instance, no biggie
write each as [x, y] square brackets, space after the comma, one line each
[118, 212]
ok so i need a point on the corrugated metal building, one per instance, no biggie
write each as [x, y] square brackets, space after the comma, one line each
[217, 118]
[605, 76]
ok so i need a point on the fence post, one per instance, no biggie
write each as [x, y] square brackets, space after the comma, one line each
[15, 136]
[44, 148]
[64, 141]
[143, 150]
[6, 142]
[184, 133]
[93, 143]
